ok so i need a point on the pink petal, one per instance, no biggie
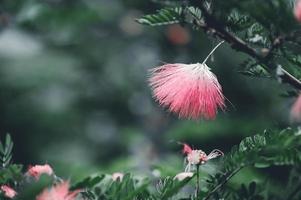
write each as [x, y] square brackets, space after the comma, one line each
[186, 149]
[297, 10]
[192, 91]
[37, 170]
[295, 113]
[8, 191]
[58, 192]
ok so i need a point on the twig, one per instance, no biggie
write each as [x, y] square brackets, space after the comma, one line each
[223, 182]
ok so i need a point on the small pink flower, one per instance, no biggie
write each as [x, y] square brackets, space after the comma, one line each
[186, 149]
[117, 176]
[297, 10]
[182, 176]
[198, 157]
[8, 191]
[191, 90]
[58, 192]
[295, 113]
[37, 170]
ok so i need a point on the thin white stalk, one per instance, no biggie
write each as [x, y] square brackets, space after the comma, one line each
[213, 50]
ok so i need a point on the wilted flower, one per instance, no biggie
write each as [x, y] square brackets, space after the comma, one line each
[58, 192]
[190, 90]
[37, 170]
[8, 191]
[198, 157]
[295, 113]
[183, 175]
[297, 10]
[178, 35]
[117, 176]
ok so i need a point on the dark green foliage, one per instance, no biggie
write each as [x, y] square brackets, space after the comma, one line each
[169, 16]
[169, 187]
[6, 151]
[272, 148]
[163, 17]
[11, 173]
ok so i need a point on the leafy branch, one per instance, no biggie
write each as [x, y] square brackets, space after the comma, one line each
[261, 150]
[205, 20]
[210, 23]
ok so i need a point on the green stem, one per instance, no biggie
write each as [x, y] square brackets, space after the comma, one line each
[197, 181]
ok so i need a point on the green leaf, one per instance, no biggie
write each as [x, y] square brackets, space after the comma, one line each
[272, 148]
[6, 151]
[88, 182]
[162, 17]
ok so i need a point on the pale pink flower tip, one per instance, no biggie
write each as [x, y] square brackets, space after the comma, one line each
[58, 192]
[297, 10]
[117, 176]
[186, 149]
[37, 170]
[182, 176]
[295, 113]
[191, 90]
[8, 191]
[198, 157]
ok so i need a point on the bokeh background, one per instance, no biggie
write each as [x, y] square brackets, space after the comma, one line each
[74, 90]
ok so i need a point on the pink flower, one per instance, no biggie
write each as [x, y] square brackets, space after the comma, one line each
[182, 176]
[295, 114]
[297, 10]
[198, 157]
[117, 176]
[186, 149]
[58, 192]
[8, 191]
[191, 90]
[37, 170]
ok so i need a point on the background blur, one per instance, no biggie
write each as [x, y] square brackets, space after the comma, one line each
[74, 91]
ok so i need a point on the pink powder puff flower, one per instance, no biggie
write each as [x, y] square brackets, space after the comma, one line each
[297, 10]
[198, 157]
[191, 90]
[58, 192]
[183, 175]
[117, 176]
[37, 170]
[295, 113]
[8, 191]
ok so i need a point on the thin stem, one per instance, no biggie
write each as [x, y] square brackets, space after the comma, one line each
[213, 50]
[223, 182]
[197, 181]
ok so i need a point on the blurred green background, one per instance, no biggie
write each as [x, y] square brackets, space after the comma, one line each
[74, 90]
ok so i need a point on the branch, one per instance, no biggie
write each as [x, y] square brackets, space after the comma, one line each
[223, 182]
[237, 43]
